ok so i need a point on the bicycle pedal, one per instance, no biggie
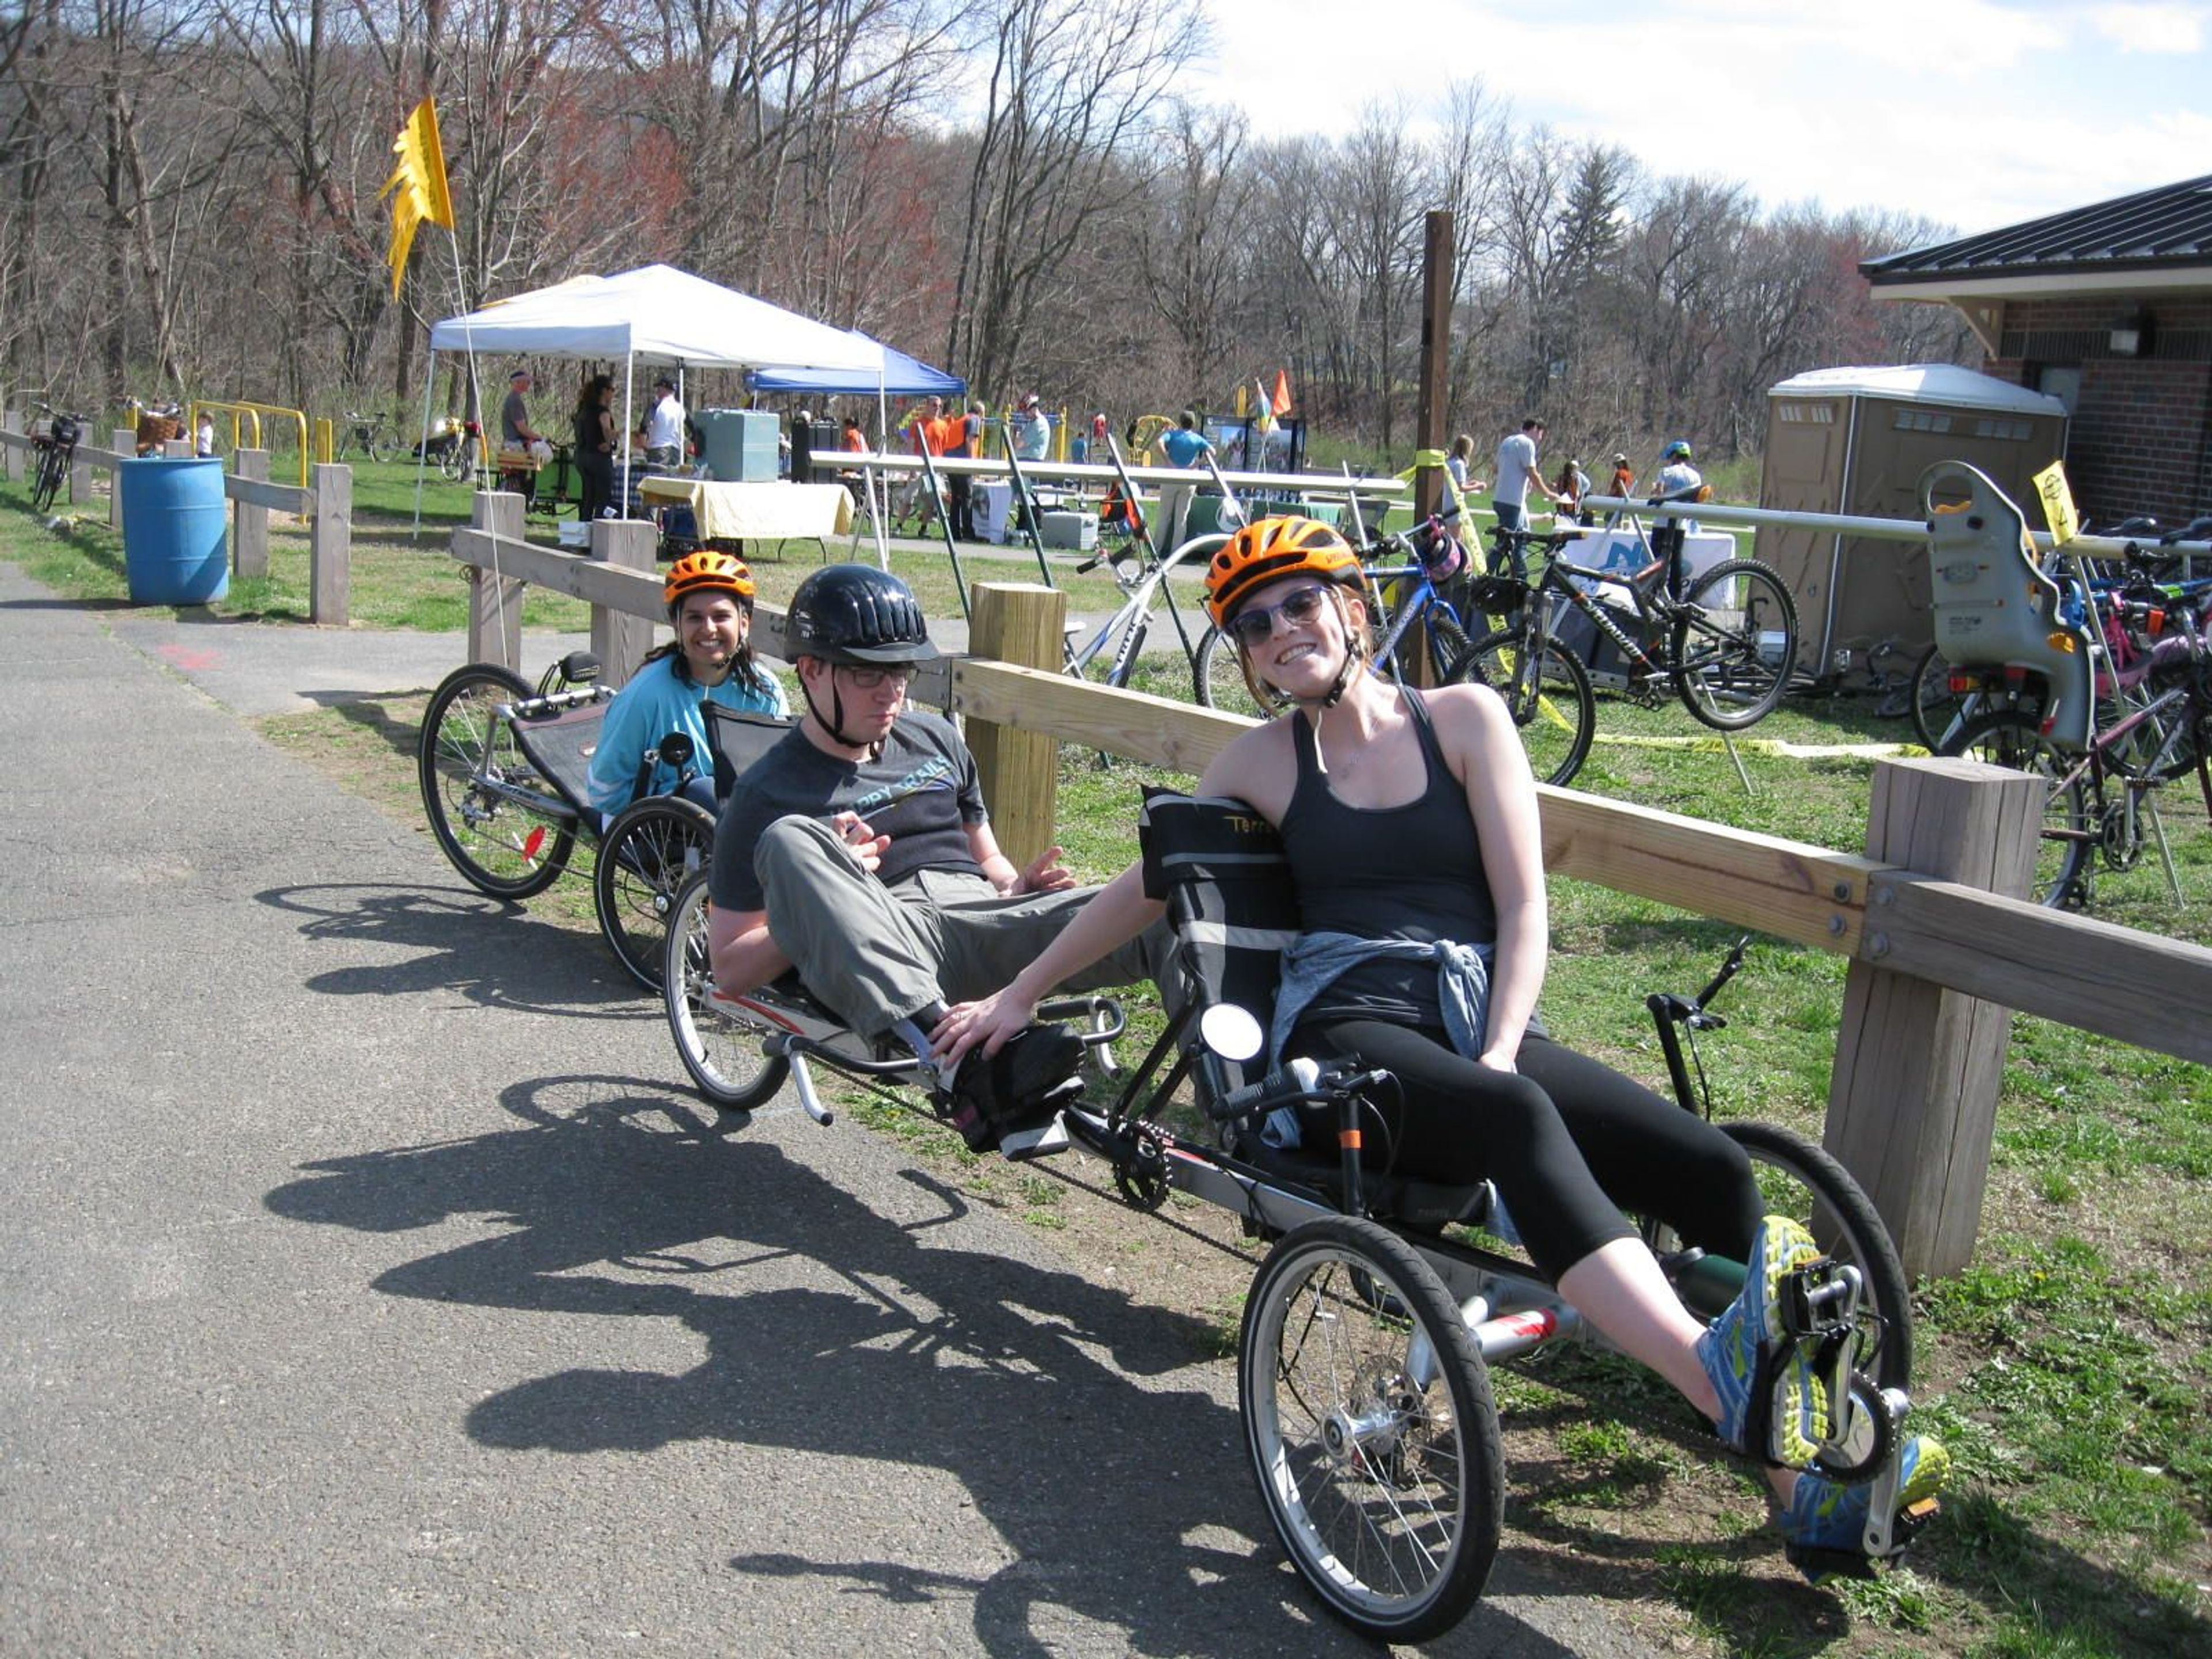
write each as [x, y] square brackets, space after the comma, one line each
[1819, 1300]
[1023, 1145]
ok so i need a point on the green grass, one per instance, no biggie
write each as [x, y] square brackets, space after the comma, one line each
[2068, 1367]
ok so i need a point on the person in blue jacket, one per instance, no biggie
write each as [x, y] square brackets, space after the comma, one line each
[710, 605]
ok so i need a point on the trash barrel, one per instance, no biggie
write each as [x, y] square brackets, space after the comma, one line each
[176, 543]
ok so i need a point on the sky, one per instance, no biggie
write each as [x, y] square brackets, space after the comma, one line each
[1974, 113]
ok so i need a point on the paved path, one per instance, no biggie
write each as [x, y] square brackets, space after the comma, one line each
[369, 1286]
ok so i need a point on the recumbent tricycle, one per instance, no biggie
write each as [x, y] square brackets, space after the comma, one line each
[1362, 1362]
[505, 777]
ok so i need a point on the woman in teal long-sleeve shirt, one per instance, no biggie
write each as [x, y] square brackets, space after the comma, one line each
[710, 605]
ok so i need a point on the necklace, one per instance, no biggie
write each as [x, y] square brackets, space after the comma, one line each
[1356, 754]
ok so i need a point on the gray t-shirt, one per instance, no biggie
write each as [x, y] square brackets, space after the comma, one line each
[922, 791]
[513, 417]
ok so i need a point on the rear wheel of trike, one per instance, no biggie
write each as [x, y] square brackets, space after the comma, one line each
[719, 1044]
[1803, 1181]
[499, 820]
[651, 850]
[1368, 1419]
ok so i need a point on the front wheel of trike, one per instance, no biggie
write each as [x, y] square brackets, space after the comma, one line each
[498, 820]
[1369, 1418]
[721, 1045]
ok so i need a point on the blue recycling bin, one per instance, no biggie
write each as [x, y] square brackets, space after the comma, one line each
[176, 530]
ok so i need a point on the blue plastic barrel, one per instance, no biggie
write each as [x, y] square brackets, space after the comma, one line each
[176, 542]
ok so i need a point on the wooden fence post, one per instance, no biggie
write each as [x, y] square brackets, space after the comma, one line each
[123, 440]
[1912, 1101]
[496, 602]
[249, 521]
[329, 545]
[11, 458]
[618, 640]
[1022, 623]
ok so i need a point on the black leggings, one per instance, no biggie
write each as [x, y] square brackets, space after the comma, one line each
[1570, 1142]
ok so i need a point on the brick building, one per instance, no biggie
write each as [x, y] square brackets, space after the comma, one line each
[2108, 308]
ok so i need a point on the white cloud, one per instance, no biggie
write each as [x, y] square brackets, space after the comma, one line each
[2150, 28]
[1972, 113]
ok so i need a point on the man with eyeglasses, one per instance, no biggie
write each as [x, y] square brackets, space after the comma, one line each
[859, 851]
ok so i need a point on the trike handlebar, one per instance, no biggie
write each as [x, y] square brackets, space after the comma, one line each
[1295, 1083]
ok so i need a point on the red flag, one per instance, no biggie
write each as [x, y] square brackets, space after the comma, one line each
[1281, 402]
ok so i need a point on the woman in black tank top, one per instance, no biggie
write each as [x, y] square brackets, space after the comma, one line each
[1412, 829]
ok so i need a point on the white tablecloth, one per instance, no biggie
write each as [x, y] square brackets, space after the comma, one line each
[732, 511]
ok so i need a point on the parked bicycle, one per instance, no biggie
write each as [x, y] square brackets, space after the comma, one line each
[54, 448]
[1724, 639]
[1945, 697]
[1144, 580]
[2100, 795]
[159, 422]
[372, 437]
[2105, 699]
[454, 447]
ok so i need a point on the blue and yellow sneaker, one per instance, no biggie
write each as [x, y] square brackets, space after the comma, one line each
[1824, 1525]
[1767, 1388]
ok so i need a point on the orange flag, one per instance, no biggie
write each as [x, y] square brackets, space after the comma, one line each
[1281, 402]
[416, 187]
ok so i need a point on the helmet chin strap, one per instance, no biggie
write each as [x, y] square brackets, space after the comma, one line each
[835, 725]
[1353, 661]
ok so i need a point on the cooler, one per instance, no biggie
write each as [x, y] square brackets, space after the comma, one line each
[740, 444]
[1078, 531]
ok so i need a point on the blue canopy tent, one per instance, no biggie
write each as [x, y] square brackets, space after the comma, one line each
[903, 377]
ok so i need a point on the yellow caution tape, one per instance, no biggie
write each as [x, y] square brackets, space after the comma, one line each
[1769, 747]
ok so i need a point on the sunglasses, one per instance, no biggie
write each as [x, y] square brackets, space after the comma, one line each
[1252, 626]
[874, 679]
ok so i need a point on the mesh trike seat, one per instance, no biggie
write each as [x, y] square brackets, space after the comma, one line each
[559, 743]
[739, 738]
[1221, 869]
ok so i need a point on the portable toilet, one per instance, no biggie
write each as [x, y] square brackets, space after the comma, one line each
[1855, 442]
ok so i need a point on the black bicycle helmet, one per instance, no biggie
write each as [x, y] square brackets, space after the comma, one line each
[858, 615]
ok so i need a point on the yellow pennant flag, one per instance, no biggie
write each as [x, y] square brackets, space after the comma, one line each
[417, 185]
[2057, 503]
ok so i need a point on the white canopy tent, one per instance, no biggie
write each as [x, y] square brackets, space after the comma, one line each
[659, 316]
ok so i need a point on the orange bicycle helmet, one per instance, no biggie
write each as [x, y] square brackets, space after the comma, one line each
[704, 572]
[1269, 550]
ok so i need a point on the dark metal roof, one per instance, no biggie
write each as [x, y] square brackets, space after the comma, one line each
[2166, 228]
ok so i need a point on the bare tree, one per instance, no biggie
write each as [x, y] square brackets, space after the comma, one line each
[1071, 98]
[1467, 165]
[1192, 270]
